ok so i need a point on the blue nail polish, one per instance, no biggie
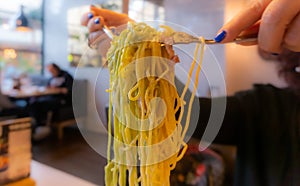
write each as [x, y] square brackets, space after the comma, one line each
[90, 15]
[113, 29]
[97, 21]
[220, 36]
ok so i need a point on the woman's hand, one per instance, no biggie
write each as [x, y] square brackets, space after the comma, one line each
[97, 17]
[276, 21]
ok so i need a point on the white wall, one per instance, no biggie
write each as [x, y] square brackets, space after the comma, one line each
[202, 18]
[55, 32]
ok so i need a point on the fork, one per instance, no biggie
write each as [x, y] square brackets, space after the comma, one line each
[185, 38]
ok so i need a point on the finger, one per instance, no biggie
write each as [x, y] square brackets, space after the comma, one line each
[96, 37]
[99, 40]
[111, 18]
[107, 14]
[96, 23]
[242, 21]
[290, 40]
[247, 43]
[86, 17]
[275, 21]
[253, 30]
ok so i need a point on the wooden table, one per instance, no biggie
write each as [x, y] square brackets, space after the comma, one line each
[32, 91]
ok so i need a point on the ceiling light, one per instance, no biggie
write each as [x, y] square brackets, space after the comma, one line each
[22, 21]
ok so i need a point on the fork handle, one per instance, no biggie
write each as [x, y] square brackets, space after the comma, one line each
[108, 31]
[239, 39]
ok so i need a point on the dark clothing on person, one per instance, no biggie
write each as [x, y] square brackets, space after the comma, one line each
[40, 107]
[63, 80]
[264, 124]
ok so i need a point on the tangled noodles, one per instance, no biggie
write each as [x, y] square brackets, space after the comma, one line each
[145, 111]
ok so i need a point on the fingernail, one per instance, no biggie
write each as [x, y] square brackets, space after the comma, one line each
[90, 15]
[113, 29]
[220, 36]
[97, 21]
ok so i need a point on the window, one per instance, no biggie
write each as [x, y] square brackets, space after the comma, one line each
[143, 10]
[20, 51]
[78, 52]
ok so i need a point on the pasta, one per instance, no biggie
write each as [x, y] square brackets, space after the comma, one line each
[145, 110]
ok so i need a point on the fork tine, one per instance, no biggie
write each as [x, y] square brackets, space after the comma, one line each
[183, 37]
[180, 38]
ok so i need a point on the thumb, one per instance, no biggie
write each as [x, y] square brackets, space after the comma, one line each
[243, 20]
[110, 17]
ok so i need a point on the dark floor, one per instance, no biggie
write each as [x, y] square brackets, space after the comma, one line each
[72, 155]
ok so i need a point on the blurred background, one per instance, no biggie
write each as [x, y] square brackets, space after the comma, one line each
[36, 32]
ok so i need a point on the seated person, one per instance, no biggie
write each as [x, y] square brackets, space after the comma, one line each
[61, 80]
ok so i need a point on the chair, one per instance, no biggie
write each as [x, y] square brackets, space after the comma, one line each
[71, 114]
[60, 119]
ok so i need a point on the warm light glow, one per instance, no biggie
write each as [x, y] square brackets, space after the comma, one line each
[23, 29]
[10, 53]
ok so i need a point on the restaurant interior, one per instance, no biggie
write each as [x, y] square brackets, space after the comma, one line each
[71, 148]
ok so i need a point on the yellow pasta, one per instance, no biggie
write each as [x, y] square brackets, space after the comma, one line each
[145, 109]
